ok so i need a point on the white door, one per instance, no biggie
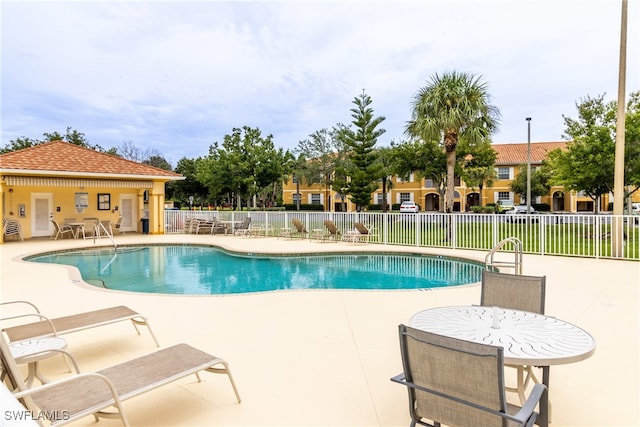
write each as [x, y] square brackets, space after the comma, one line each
[128, 210]
[41, 211]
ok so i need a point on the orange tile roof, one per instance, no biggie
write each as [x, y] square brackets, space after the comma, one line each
[516, 154]
[63, 158]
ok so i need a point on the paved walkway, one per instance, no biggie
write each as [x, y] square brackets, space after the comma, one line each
[324, 358]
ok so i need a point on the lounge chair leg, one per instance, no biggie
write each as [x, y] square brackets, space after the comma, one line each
[226, 371]
[144, 322]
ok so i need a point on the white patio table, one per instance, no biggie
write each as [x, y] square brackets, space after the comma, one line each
[527, 338]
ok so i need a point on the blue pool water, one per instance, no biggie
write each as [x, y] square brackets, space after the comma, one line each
[204, 270]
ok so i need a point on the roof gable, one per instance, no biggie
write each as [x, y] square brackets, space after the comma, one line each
[64, 158]
[516, 154]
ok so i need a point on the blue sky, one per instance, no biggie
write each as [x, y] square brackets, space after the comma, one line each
[177, 76]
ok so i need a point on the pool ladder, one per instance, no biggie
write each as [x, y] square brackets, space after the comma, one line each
[516, 264]
[101, 225]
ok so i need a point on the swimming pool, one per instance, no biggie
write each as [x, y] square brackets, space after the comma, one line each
[206, 270]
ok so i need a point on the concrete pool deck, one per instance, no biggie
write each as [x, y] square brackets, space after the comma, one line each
[324, 358]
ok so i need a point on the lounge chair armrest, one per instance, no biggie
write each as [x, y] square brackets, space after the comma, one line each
[39, 316]
[21, 302]
[55, 384]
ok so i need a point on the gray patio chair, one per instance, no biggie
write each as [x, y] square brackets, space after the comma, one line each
[89, 229]
[243, 228]
[61, 230]
[86, 394]
[458, 383]
[518, 292]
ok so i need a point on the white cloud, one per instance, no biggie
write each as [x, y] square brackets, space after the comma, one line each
[166, 73]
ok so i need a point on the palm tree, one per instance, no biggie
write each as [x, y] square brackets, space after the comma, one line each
[451, 106]
[385, 169]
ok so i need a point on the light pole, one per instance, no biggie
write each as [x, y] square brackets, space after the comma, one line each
[528, 165]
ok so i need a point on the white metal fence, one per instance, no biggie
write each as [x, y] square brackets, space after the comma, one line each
[545, 234]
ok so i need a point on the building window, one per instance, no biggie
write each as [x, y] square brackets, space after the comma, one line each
[405, 197]
[504, 195]
[504, 173]
[315, 199]
[428, 183]
[296, 198]
[104, 201]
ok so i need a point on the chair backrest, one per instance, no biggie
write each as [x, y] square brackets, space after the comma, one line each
[515, 291]
[331, 227]
[299, 225]
[451, 371]
[56, 226]
[119, 222]
[362, 229]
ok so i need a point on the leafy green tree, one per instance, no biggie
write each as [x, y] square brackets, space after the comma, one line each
[450, 107]
[588, 163]
[364, 173]
[477, 164]
[540, 184]
[190, 186]
[70, 136]
[158, 162]
[426, 159]
[323, 153]
[19, 144]
[246, 166]
[386, 169]
[632, 145]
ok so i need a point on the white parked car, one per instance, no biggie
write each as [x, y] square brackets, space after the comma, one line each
[635, 208]
[520, 209]
[409, 207]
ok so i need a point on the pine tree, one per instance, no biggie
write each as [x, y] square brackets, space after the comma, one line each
[363, 174]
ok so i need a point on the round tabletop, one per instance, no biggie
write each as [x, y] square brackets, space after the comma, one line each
[527, 338]
[23, 351]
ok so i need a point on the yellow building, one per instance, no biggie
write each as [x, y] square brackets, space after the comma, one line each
[62, 181]
[509, 158]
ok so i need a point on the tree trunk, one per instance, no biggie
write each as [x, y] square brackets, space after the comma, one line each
[451, 165]
[384, 194]
[450, 144]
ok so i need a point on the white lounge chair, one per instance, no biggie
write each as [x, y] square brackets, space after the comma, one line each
[83, 394]
[67, 324]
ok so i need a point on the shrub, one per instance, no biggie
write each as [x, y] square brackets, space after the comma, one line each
[304, 207]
